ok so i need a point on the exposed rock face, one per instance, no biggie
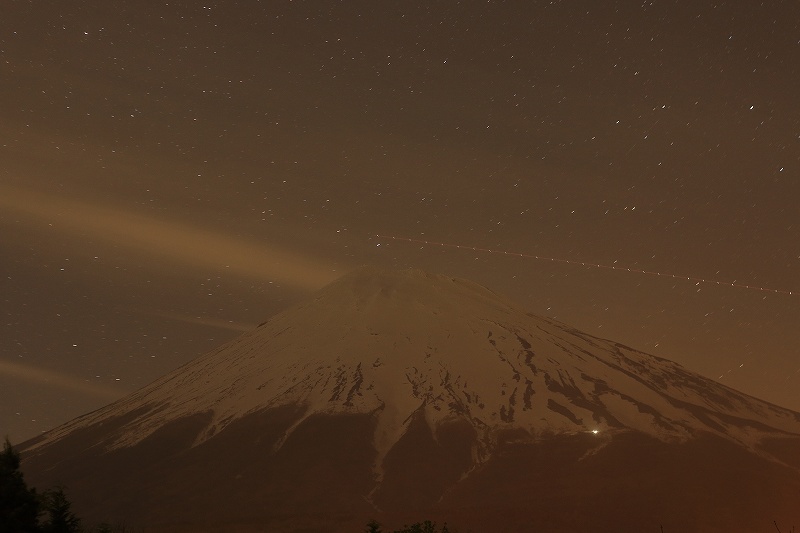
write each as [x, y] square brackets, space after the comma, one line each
[406, 395]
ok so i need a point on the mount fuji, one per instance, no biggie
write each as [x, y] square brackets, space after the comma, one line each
[402, 396]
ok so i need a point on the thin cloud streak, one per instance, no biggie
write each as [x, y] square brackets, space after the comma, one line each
[40, 376]
[211, 322]
[190, 246]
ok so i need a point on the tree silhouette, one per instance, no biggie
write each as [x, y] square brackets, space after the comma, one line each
[61, 518]
[373, 527]
[19, 505]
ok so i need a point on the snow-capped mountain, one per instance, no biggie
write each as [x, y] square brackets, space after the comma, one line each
[420, 356]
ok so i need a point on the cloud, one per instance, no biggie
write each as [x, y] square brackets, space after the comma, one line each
[42, 376]
[207, 321]
[169, 240]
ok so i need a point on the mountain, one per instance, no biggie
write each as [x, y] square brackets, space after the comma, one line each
[407, 395]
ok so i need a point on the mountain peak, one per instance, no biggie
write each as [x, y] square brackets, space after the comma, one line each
[396, 343]
[371, 282]
[413, 364]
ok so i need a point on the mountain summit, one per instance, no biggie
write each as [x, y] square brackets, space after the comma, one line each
[397, 393]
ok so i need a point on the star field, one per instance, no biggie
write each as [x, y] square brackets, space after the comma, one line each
[173, 173]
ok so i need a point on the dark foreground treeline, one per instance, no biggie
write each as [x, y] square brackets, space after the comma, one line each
[419, 527]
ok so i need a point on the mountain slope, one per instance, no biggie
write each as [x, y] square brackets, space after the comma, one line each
[405, 390]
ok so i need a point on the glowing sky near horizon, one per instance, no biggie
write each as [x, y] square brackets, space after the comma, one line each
[172, 174]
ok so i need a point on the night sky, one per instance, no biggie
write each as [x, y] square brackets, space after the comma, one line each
[173, 173]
